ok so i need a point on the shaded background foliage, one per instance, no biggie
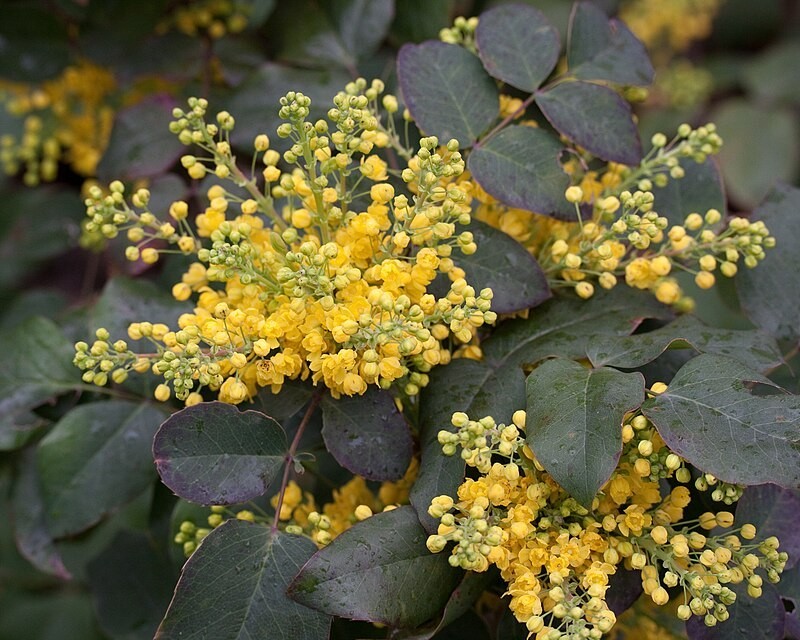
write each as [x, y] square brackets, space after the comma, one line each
[85, 548]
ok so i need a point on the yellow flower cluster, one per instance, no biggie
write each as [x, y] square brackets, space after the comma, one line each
[557, 556]
[213, 17]
[333, 287]
[672, 25]
[352, 502]
[66, 120]
[626, 238]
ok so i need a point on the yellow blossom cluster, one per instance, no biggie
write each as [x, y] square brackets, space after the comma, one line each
[626, 238]
[672, 25]
[352, 502]
[332, 285]
[557, 556]
[213, 17]
[65, 120]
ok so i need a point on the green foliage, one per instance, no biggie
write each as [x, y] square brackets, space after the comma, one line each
[99, 499]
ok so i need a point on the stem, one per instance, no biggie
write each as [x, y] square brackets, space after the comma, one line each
[506, 120]
[315, 400]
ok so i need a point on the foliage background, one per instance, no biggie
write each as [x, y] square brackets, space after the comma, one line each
[123, 567]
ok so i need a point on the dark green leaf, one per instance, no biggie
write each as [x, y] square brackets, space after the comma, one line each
[25, 246]
[364, 573]
[293, 396]
[770, 293]
[566, 327]
[38, 366]
[699, 190]
[754, 349]
[603, 49]
[234, 587]
[447, 91]
[472, 585]
[131, 583]
[141, 145]
[518, 45]
[774, 512]
[212, 453]
[476, 388]
[338, 31]
[595, 117]
[266, 86]
[50, 614]
[574, 423]
[766, 75]
[34, 540]
[519, 166]
[708, 404]
[753, 131]
[124, 301]
[34, 43]
[367, 435]
[750, 618]
[96, 459]
[505, 266]
[418, 20]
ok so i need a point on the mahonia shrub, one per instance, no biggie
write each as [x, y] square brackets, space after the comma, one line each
[417, 357]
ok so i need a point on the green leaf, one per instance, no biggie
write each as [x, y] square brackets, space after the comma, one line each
[574, 423]
[418, 20]
[338, 31]
[367, 435]
[476, 388]
[519, 166]
[50, 614]
[38, 367]
[518, 45]
[762, 617]
[234, 587]
[754, 349]
[708, 404]
[125, 300]
[212, 453]
[141, 145]
[265, 87]
[95, 459]
[765, 75]
[770, 293]
[364, 573]
[34, 540]
[25, 246]
[699, 190]
[752, 131]
[773, 511]
[603, 49]
[447, 91]
[566, 327]
[34, 43]
[505, 266]
[595, 117]
[495, 386]
[131, 582]
[472, 585]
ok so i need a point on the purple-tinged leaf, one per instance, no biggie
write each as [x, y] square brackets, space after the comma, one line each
[367, 435]
[773, 511]
[518, 45]
[595, 117]
[762, 618]
[447, 91]
[212, 453]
